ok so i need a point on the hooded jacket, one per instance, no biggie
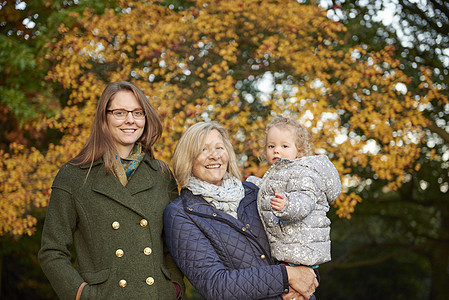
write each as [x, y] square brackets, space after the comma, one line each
[300, 232]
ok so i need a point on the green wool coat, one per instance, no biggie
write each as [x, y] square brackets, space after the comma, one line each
[117, 233]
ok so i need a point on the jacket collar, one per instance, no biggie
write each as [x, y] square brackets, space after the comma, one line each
[194, 204]
[110, 186]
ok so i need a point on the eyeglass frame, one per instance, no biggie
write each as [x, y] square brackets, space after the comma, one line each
[128, 111]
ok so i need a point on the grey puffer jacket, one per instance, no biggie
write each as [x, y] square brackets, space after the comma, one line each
[300, 232]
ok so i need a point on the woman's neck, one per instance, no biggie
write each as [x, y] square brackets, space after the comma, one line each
[124, 151]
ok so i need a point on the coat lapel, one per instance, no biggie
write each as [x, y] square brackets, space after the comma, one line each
[110, 186]
[142, 179]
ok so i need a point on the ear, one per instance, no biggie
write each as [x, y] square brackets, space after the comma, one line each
[300, 154]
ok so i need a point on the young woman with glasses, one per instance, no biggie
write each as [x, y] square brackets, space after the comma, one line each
[108, 204]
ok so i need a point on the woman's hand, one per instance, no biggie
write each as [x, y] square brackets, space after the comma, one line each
[302, 280]
[292, 295]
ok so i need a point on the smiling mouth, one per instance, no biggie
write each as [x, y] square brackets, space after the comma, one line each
[215, 166]
[129, 130]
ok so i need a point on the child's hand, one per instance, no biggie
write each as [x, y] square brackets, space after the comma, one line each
[278, 201]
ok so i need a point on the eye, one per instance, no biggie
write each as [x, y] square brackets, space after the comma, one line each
[270, 146]
[119, 112]
[285, 146]
[138, 113]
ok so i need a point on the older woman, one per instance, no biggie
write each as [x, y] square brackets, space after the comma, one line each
[213, 230]
[108, 203]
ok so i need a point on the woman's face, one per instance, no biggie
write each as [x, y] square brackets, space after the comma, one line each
[212, 163]
[127, 131]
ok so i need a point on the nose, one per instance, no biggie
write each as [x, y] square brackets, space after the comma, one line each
[213, 154]
[129, 115]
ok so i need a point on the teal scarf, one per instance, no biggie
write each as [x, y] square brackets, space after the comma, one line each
[125, 167]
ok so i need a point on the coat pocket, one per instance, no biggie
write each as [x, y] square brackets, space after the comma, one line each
[95, 277]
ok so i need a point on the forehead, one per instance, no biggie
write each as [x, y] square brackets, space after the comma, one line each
[212, 136]
[278, 133]
[124, 98]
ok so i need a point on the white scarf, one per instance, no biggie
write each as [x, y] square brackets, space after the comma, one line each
[225, 197]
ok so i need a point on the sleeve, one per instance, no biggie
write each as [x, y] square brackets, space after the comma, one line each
[176, 275]
[301, 198]
[173, 190]
[195, 255]
[57, 239]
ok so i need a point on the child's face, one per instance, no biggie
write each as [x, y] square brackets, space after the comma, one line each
[281, 144]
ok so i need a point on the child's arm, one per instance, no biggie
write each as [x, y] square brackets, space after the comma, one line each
[299, 200]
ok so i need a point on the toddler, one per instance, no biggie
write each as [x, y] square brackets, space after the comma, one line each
[295, 194]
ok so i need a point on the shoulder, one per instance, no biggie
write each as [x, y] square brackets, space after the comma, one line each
[175, 205]
[250, 187]
[254, 179]
[157, 165]
[68, 174]
[183, 199]
[72, 176]
[251, 191]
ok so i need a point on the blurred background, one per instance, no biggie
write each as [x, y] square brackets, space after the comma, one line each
[368, 78]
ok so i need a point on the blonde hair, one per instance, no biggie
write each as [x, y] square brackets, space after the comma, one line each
[101, 143]
[303, 139]
[190, 146]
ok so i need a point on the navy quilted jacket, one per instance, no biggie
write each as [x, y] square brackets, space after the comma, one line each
[223, 258]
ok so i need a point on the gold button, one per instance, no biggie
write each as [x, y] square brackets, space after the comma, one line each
[262, 256]
[122, 283]
[190, 208]
[116, 225]
[143, 222]
[286, 291]
[247, 225]
[119, 253]
[150, 280]
[147, 251]
[244, 228]
[214, 214]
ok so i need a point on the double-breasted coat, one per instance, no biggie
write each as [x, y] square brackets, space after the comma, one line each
[116, 230]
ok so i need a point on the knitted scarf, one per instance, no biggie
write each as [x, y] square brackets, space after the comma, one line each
[225, 197]
[125, 167]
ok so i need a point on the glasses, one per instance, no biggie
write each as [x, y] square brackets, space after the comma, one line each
[122, 114]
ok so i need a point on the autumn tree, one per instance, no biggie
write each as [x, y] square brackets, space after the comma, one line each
[239, 63]
[27, 98]
[415, 216]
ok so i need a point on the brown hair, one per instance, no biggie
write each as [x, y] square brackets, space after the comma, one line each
[100, 142]
[303, 139]
[190, 145]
